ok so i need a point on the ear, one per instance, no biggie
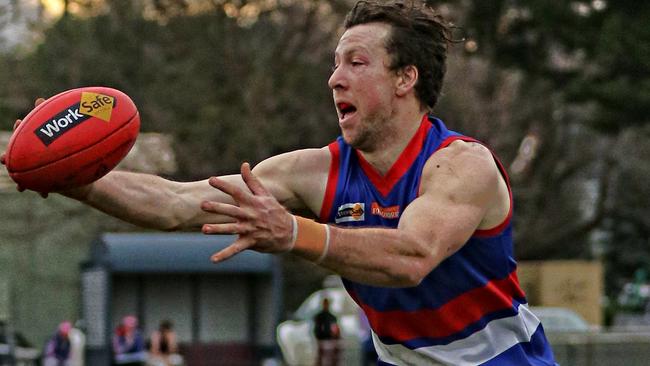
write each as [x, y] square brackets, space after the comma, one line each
[407, 77]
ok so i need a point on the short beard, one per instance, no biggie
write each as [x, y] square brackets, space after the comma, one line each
[375, 127]
[363, 142]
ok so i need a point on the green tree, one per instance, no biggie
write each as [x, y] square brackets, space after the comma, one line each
[584, 70]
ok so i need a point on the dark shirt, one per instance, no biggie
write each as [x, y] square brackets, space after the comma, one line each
[325, 326]
[124, 345]
[164, 345]
[60, 347]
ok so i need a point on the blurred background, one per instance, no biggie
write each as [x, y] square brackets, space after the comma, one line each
[560, 90]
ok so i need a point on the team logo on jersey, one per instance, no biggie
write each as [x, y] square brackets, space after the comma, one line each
[351, 212]
[391, 212]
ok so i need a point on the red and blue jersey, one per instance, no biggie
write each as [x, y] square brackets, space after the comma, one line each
[470, 310]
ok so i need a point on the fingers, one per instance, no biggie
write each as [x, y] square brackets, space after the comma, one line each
[22, 189]
[37, 102]
[3, 157]
[227, 228]
[3, 160]
[252, 182]
[237, 247]
[235, 192]
[223, 209]
[245, 225]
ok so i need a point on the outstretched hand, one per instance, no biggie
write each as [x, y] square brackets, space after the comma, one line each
[3, 156]
[260, 221]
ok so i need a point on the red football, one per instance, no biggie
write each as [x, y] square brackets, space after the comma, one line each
[72, 139]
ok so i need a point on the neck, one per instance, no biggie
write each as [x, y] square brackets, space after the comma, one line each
[401, 131]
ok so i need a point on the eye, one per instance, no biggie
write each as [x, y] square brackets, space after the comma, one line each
[356, 63]
[334, 67]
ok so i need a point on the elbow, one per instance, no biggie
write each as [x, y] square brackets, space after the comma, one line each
[160, 223]
[173, 225]
[171, 228]
[180, 215]
[410, 273]
[414, 267]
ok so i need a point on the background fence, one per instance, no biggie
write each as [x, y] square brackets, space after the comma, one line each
[602, 349]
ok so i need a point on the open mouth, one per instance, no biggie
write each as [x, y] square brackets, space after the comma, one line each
[345, 109]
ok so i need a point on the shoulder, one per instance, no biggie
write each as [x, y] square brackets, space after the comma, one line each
[470, 157]
[463, 165]
[298, 161]
[465, 150]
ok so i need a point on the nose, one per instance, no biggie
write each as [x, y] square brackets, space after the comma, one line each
[337, 80]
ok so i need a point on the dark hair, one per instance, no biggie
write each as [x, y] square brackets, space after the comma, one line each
[419, 37]
[166, 325]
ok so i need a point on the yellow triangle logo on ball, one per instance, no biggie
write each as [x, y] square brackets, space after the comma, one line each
[97, 105]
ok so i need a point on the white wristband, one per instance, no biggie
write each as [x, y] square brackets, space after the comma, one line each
[294, 233]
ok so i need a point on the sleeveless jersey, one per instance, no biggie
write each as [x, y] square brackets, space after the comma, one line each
[470, 310]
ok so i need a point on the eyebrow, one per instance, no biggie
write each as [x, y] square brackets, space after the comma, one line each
[352, 50]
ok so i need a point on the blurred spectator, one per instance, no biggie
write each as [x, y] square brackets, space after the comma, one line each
[128, 343]
[327, 332]
[57, 350]
[635, 295]
[77, 345]
[164, 348]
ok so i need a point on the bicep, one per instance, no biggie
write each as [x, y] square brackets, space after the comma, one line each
[441, 224]
[271, 173]
[456, 191]
[294, 179]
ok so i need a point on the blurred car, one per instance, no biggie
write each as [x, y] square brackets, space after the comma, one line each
[558, 319]
[296, 338]
[298, 344]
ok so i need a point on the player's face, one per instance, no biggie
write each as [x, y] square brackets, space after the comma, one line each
[363, 86]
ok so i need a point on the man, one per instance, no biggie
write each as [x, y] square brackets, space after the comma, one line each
[128, 343]
[327, 333]
[57, 349]
[164, 347]
[422, 215]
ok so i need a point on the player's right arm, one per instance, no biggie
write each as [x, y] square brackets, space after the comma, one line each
[147, 200]
[154, 202]
[150, 201]
[295, 179]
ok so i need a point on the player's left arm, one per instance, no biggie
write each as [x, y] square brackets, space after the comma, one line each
[461, 191]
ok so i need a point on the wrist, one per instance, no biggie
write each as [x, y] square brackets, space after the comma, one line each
[310, 240]
[79, 193]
